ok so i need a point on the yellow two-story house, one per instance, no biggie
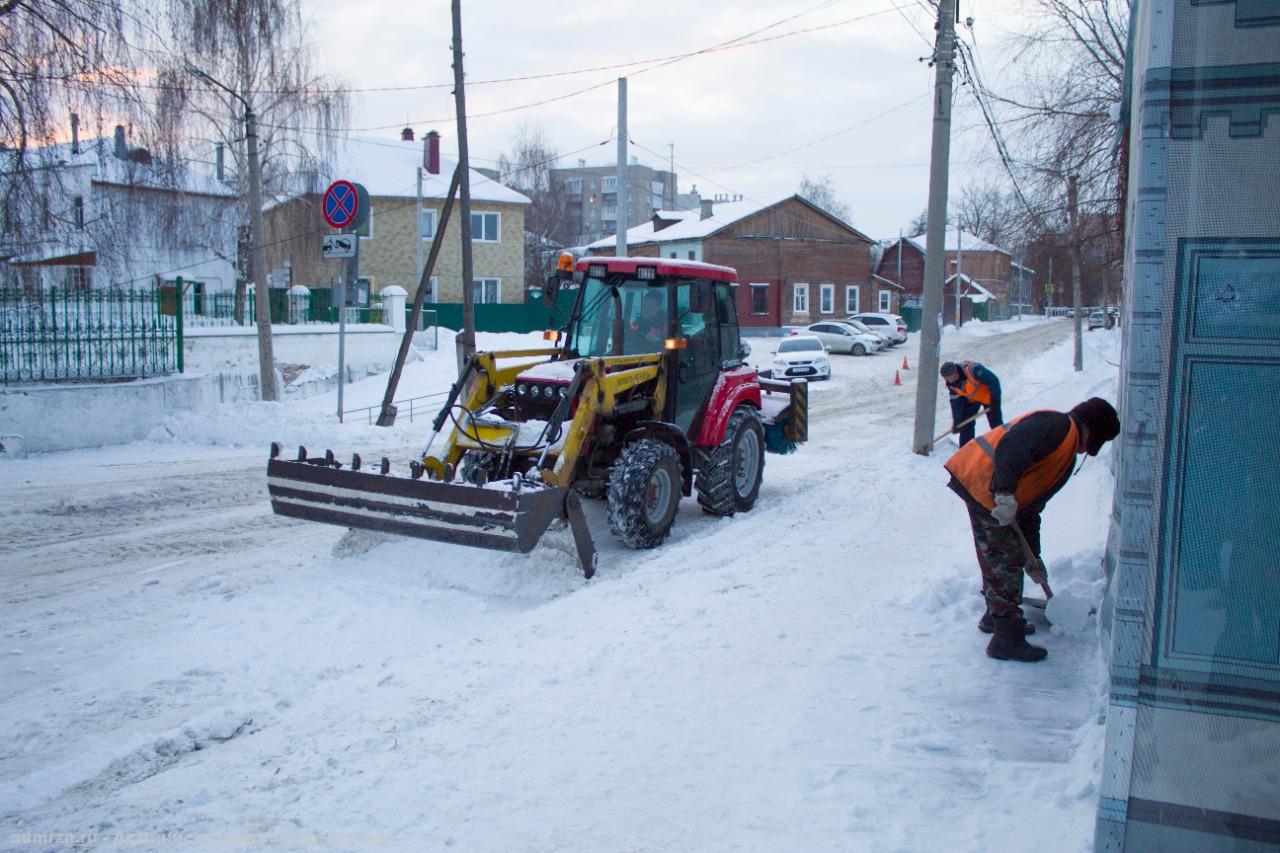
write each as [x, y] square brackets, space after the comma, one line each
[397, 236]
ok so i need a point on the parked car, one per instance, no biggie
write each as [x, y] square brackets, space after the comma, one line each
[802, 356]
[844, 337]
[1097, 320]
[867, 330]
[891, 324]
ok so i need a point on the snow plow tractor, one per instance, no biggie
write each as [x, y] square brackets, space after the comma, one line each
[644, 397]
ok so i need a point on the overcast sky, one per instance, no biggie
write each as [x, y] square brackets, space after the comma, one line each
[859, 86]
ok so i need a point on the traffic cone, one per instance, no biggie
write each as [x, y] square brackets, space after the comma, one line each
[905, 366]
[897, 378]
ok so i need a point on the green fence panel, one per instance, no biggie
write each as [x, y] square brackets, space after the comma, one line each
[531, 316]
[63, 334]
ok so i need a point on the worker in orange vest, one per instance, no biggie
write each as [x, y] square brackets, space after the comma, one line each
[1006, 477]
[973, 388]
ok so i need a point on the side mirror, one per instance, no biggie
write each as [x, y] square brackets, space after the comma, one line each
[826, 348]
[744, 349]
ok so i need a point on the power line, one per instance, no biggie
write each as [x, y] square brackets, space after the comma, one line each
[653, 65]
[829, 136]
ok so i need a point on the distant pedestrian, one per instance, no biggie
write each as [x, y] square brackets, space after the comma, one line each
[973, 388]
[1006, 477]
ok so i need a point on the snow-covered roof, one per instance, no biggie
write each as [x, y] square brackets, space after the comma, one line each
[389, 168]
[99, 156]
[975, 292]
[689, 225]
[962, 240]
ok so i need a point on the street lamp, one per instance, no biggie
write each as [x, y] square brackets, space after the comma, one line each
[257, 237]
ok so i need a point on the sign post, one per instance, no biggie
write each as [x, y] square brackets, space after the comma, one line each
[346, 207]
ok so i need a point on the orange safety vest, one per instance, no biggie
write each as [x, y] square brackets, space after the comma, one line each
[975, 464]
[976, 391]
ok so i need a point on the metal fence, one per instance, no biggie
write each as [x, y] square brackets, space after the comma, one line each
[64, 334]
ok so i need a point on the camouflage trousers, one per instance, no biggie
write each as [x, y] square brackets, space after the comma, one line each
[1001, 559]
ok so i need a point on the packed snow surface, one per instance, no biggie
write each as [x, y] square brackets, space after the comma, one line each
[176, 662]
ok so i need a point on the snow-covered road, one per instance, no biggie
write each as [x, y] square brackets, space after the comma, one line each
[177, 663]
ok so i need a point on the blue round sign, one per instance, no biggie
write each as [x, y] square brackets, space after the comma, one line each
[341, 204]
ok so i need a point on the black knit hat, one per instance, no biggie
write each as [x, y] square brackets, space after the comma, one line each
[949, 368]
[1101, 419]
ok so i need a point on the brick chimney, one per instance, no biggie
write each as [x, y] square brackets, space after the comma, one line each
[706, 208]
[219, 161]
[431, 153]
[406, 135]
[121, 147]
[75, 134]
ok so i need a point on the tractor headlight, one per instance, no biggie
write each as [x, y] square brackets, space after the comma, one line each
[533, 390]
[564, 391]
[548, 391]
[521, 390]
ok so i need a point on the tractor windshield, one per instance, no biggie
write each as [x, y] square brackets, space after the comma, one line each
[636, 309]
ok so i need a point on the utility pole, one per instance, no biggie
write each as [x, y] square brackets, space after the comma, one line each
[959, 268]
[623, 200]
[417, 225]
[935, 262]
[1073, 198]
[257, 240]
[466, 341]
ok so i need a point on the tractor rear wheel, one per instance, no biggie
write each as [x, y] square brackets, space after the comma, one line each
[730, 473]
[644, 492]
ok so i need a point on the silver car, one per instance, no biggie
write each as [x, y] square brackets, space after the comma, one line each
[891, 324]
[845, 337]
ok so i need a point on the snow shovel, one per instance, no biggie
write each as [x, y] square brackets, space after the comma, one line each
[964, 422]
[1035, 569]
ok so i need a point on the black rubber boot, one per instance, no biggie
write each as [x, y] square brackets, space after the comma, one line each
[1009, 642]
[987, 625]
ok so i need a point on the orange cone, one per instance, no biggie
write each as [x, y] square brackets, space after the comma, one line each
[904, 363]
[897, 378]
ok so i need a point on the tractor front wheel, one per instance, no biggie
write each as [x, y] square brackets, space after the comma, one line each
[644, 492]
[729, 474]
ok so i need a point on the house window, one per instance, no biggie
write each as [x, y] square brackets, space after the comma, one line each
[674, 255]
[574, 186]
[78, 278]
[433, 290]
[486, 227]
[800, 299]
[366, 228]
[609, 225]
[886, 301]
[692, 255]
[851, 299]
[426, 224]
[609, 183]
[827, 298]
[79, 212]
[759, 299]
[488, 291]
[609, 210]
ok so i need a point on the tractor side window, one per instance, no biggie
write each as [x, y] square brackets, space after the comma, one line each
[727, 315]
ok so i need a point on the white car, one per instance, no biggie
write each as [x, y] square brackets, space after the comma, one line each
[845, 337]
[891, 324]
[801, 356]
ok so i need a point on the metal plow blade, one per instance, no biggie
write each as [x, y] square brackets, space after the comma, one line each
[500, 520]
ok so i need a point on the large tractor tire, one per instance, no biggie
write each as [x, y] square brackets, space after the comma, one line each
[730, 473]
[644, 492]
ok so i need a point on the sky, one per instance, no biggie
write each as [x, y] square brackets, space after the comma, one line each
[850, 99]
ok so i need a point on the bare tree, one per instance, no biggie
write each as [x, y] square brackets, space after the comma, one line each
[918, 225]
[822, 193]
[527, 169]
[990, 211]
[253, 56]
[60, 55]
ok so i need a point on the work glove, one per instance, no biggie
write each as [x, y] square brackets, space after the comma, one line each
[1006, 509]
